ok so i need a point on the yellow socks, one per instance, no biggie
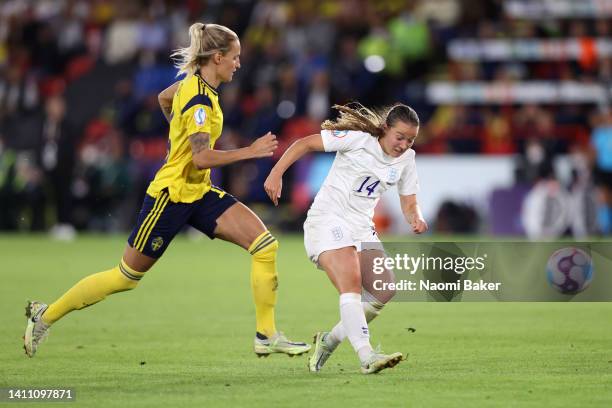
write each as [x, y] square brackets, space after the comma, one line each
[96, 287]
[264, 281]
[93, 289]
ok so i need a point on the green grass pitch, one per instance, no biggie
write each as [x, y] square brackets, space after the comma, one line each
[184, 338]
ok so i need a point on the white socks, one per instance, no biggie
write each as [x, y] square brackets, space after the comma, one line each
[371, 309]
[354, 323]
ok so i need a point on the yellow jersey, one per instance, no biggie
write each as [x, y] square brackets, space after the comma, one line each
[195, 109]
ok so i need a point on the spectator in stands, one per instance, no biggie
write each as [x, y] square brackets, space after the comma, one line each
[18, 92]
[56, 158]
[8, 188]
[602, 145]
[300, 57]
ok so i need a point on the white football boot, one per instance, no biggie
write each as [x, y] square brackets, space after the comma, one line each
[278, 343]
[322, 351]
[377, 361]
[36, 331]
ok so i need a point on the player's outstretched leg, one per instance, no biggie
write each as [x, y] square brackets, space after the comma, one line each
[86, 292]
[323, 349]
[326, 343]
[238, 224]
[343, 269]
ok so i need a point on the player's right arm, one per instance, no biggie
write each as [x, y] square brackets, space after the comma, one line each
[165, 100]
[274, 183]
[206, 158]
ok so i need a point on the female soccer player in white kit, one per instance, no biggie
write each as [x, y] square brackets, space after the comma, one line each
[373, 153]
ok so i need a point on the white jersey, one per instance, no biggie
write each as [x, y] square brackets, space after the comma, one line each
[360, 174]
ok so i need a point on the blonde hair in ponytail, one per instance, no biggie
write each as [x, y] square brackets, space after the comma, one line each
[205, 41]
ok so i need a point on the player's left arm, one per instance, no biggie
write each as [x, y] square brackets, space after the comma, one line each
[412, 213]
[165, 100]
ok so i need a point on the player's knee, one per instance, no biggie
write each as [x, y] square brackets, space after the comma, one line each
[264, 249]
[129, 276]
[385, 290]
[378, 298]
[385, 296]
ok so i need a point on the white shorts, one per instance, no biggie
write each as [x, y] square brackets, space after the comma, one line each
[327, 233]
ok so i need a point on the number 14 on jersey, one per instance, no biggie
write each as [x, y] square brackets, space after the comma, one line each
[367, 186]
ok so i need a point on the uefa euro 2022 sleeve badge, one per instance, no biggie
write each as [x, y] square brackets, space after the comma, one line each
[200, 116]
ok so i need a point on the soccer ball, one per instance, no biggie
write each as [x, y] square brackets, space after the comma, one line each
[569, 270]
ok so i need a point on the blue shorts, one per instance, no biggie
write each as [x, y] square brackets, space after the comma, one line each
[160, 219]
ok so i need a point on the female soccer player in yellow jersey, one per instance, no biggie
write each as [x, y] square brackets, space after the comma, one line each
[182, 193]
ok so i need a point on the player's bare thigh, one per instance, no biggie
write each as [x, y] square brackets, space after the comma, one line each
[342, 268]
[240, 225]
[368, 277]
[136, 260]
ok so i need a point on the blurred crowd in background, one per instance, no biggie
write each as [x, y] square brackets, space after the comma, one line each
[81, 132]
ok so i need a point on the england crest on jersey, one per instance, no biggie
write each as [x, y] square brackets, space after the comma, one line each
[392, 177]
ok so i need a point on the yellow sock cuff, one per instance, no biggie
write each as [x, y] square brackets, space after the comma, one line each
[129, 272]
[264, 240]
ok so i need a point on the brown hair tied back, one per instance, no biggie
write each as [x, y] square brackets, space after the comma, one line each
[355, 116]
